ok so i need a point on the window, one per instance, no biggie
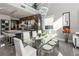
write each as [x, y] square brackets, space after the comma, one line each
[49, 24]
[57, 24]
[49, 21]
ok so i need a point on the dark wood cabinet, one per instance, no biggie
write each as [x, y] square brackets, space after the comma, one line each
[31, 22]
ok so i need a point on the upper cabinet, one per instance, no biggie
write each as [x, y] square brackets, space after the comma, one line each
[17, 10]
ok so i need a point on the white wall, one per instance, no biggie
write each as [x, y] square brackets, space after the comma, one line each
[49, 20]
[5, 17]
[73, 8]
[50, 7]
[13, 18]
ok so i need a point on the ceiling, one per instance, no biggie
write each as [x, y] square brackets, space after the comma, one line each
[50, 7]
[17, 12]
[7, 9]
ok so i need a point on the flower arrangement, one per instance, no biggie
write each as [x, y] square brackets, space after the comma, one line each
[66, 30]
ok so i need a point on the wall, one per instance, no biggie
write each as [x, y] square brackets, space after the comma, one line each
[5, 17]
[57, 9]
[50, 7]
[13, 18]
[73, 8]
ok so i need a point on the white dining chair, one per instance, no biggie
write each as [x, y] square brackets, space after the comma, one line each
[46, 50]
[34, 34]
[52, 43]
[23, 51]
[26, 37]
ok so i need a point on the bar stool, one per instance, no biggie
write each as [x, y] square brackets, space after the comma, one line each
[8, 38]
[46, 50]
[2, 38]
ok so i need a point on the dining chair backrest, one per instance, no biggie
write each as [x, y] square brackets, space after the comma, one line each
[46, 39]
[19, 47]
[26, 36]
[34, 33]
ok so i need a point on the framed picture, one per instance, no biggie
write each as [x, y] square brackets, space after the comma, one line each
[66, 22]
[66, 19]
